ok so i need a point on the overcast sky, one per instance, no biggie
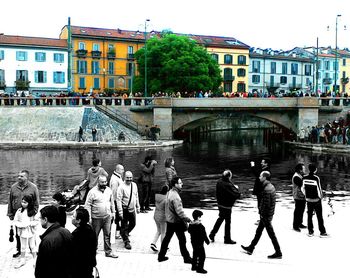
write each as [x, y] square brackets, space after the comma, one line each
[276, 24]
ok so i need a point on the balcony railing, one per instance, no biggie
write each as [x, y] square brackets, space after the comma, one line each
[96, 54]
[131, 56]
[110, 55]
[228, 78]
[81, 53]
[345, 80]
[22, 85]
[327, 81]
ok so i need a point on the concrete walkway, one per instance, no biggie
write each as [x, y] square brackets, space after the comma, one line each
[303, 256]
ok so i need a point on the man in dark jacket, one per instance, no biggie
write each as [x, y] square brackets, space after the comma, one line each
[85, 244]
[55, 255]
[266, 211]
[226, 194]
[258, 188]
[299, 197]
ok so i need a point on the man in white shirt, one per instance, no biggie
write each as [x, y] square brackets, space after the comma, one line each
[114, 183]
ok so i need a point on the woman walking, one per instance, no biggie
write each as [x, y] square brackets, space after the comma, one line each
[170, 171]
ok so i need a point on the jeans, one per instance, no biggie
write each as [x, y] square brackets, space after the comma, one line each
[298, 213]
[317, 207]
[128, 223]
[224, 214]
[176, 228]
[145, 194]
[104, 224]
[265, 223]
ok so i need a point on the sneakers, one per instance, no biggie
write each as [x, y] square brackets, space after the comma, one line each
[127, 245]
[297, 229]
[143, 211]
[276, 255]
[257, 222]
[203, 271]
[162, 259]
[230, 241]
[117, 235]
[21, 263]
[16, 255]
[310, 234]
[154, 247]
[324, 235]
[212, 237]
[247, 249]
[302, 226]
[111, 255]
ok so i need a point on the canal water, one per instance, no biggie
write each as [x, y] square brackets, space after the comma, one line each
[199, 164]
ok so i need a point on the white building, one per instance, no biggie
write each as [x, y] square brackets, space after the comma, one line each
[279, 72]
[37, 65]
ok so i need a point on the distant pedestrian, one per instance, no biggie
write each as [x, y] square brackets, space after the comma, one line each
[100, 205]
[85, 244]
[56, 253]
[128, 205]
[266, 211]
[198, 237]
[18, 190]
[299, 197]
[94, 134]
[26, 223]
[159, 217]
[145, 182]
[176, 222]
[170, 171]
[59, 202]
[81, 134]
[313, 194]
[226, 194]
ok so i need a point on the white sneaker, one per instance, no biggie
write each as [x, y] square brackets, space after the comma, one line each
[20, 263]
[117, 235]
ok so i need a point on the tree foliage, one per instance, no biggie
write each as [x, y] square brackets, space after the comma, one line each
[176, 63]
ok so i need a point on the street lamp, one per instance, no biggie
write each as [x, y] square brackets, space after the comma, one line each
[336, 53]
[145, 34]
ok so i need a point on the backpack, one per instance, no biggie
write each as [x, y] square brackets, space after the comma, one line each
[311, 189]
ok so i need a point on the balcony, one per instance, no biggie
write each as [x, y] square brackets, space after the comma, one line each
[111, 55]
[131, 56]
[81, 53]
[96, 54]
[229, 78]
[2, 84]
[345, 80]
[22, 84]
[327, 81]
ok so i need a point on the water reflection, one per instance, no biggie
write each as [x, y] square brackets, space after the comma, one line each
[198, 164]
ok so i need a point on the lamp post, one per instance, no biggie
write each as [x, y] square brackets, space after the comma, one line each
[145, 34]
[336, 53]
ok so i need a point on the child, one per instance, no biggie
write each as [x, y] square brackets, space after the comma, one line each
[59, 202]
[26, 224]
[198, 237]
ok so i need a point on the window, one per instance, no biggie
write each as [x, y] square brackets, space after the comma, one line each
[319, 64]
[82, 83]
[228, 59]
[40, 76]
[95, 67]
[228, 87]
[21, 56]
[241, 87]
[241, 72]
[58, 57]
[2, 55]
[58, 77]
[273, 67]
[326, 65]
[81, 45]
[344, 74]
[130, 69]
[110, 68]
[294, 68]
[255, 78]
[228, 75]
[22, 75]
[95, 47]
[335, 65]
[241, 60]
[283, 79]
[215, 57]
[81, 66]
[294, 81]
[40, 56]
[272, 80]
[256, 66]
[130, 49]
[308, 70]
[2, 75]
[110, 46]
[111, 83]
[96, 83]
[308, 82]
[344, 62]
[284, 68]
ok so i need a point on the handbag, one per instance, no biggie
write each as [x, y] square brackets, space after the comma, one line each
[11, 234]
[95, 273]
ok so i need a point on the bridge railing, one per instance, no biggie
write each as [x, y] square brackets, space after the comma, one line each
[334, 101]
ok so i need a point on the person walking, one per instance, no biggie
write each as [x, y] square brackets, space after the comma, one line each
[81, 133]
[159, 217]
[85, 244]
[176, 220]
[100, 205]
[313, 194]
[18, 190]
[266, 211]
[128, 205]
[226, 194]
[26, 223]
[115, 182]
[146, 182]
[55, 255]
[198, 237]
[170, 171]
[94, 133]
[299, 197]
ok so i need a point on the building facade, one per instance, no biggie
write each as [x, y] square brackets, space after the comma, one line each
[33, 65]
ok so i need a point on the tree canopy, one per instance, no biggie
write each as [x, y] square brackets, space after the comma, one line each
[176, 63]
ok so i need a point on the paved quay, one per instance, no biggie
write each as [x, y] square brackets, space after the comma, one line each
[303, 256]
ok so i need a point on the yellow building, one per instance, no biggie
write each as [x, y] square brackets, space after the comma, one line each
[344, 71]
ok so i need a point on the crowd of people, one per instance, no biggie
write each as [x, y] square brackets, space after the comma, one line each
[118, 199]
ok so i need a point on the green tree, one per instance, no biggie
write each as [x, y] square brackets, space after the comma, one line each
[176, 63]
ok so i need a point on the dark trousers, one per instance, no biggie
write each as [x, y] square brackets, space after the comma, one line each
[298, 213]
[18, 241]
[317, 208]
[145, 195]
[178, 229]
[128, 223]
[198, 257]
[265, 223]
[224, 214]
